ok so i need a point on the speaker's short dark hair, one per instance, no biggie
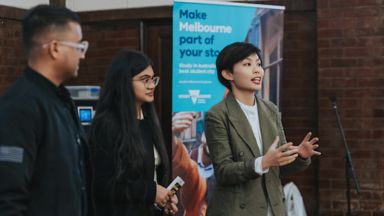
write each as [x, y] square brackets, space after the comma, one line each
[42, 17]
[232, 54]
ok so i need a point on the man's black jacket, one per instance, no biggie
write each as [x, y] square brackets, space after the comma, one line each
[44, 161]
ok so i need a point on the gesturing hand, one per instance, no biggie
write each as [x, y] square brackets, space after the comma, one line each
[280, 156]
[307, 146]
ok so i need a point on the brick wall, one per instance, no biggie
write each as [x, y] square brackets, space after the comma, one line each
[105, 39]
[299, 96]
[351, 67]
[11, 55]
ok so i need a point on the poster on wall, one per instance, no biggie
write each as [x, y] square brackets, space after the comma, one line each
[200, 30]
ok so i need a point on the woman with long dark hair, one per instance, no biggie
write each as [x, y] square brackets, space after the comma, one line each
[131, 163]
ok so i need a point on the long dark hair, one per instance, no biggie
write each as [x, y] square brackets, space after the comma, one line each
[116, 114]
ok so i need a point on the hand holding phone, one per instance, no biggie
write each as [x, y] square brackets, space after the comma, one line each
[176, 184]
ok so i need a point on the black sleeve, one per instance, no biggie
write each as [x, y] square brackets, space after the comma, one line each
[107, 190]
[18, 146]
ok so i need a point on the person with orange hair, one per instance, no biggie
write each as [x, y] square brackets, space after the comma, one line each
[194, 192]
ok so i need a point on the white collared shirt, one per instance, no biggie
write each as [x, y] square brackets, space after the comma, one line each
[157, 159]
[252, 114]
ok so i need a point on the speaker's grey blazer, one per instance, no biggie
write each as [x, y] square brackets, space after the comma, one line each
[239, 190]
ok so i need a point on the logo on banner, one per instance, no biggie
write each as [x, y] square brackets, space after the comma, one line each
[195, 96]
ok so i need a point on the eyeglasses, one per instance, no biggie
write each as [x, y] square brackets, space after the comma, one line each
[149, 80]
[82, 46]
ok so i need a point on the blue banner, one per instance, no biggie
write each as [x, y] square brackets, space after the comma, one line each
[200, 31]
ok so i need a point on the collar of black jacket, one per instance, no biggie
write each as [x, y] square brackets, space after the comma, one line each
[47, 85]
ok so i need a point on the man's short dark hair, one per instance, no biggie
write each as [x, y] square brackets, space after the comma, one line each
[232, 54]
[42, 17]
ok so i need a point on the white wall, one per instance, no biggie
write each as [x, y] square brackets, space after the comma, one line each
[25, 4]
[88, 5]
[91, 5]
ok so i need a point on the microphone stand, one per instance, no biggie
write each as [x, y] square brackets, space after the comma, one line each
[349, 170]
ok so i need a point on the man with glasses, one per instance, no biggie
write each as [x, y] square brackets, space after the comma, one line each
[44, 160]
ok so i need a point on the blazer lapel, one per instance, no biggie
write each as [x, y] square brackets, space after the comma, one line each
[240, 123]
[268, 131]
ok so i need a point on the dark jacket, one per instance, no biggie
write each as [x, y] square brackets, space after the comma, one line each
[133, 195]
[44, 160]
[233, 150]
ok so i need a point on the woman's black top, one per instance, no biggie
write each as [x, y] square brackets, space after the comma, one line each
[134, 195]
